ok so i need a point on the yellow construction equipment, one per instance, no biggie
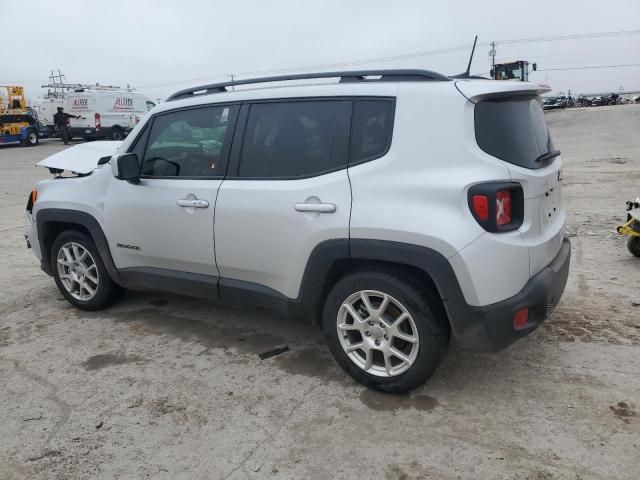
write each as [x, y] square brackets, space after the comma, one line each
[16, 123]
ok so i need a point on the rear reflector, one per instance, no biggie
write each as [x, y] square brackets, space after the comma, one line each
[520, 319]
[503, 207]
[480, 204]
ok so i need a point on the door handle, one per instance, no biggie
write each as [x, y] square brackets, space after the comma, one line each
[316, 207]
[192, 202]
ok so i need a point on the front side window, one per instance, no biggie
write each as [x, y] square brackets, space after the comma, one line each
[372, 129]
[188, 143]
[294, 139]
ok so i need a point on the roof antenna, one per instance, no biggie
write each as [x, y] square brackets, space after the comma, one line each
[467, 73]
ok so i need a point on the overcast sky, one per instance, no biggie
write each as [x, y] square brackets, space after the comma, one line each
[161, 46]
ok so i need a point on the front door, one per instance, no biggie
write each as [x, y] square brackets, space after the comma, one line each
[166, 221]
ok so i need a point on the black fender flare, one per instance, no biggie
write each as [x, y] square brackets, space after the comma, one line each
[430, 262]
[48, 216]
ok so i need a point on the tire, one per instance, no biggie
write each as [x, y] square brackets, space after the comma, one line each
[633, 244]
[117, 134]
[32, 138]
[406, 296]
[92, 272]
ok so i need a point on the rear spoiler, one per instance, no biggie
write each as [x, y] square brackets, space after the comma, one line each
[475, 90]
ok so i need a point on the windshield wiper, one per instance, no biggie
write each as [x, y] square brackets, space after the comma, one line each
[547, 156]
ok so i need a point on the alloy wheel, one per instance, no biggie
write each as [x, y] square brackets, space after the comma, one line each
[377, 333]
[77, 271]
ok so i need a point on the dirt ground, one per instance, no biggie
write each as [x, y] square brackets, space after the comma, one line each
[167, 387]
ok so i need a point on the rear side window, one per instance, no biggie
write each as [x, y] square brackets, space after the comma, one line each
[295, 139]
[513, 129]
[372, 129]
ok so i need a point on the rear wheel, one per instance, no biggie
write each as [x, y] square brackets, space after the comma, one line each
[117, 134]
[633, 244]
[386, 331]
[80, 273]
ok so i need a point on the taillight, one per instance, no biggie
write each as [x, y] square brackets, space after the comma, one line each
[497, 206]
[480, 206]
[97, 119]
[503, 207]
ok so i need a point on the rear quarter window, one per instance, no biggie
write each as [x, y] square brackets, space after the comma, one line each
[372, 129]
[513, 129]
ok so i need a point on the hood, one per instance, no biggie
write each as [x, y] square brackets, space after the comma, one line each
[82, 158]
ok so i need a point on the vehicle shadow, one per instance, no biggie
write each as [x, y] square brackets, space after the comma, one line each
[256, 332]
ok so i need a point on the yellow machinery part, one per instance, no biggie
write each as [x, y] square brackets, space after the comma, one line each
[626, 229]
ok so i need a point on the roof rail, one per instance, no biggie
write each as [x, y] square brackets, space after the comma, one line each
[403, 75]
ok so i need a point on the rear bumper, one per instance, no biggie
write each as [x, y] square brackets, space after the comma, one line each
[490, 328]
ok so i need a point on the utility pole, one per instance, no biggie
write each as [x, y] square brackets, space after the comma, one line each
[492, 54]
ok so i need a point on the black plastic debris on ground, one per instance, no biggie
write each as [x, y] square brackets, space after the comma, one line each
[273, 353]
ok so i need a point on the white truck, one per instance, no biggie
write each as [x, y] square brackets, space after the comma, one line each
[105, 114]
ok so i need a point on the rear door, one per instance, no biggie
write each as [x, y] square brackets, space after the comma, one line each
[514, 129]
[287, 190]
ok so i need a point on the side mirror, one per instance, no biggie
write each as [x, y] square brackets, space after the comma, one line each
[128, 167]
[535, 67]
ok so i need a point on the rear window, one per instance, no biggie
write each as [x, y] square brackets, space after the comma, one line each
[513, 129]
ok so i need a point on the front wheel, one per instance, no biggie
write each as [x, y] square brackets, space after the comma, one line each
[387, 331]
[80, 274]
[633, 244]
[32, 138]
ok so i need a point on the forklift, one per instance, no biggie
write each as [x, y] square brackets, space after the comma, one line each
[18, 123]
[517, 70]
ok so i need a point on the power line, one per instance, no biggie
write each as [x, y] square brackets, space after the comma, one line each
[406, 56]
[586, 68]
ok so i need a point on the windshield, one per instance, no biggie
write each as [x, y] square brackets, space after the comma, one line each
[513, 129]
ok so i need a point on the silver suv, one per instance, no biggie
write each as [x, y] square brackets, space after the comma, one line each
[398, 209]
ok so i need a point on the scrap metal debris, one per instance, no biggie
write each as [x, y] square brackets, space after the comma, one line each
[273, 353]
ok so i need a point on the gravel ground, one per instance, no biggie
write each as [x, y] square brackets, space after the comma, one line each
[167, 387]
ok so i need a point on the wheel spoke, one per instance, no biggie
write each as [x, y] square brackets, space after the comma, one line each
[67, 255]
[383, 305]
[355, 346]
[83, 255]
[405, 336]
[76, 252]
[91, 277]
[357, 319]
[368, 362]
[367, 302]
[399, 355]
[387, 363]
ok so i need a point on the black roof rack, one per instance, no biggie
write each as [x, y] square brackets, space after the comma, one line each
[356, 76]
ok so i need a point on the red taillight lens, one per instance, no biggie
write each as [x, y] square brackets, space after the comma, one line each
[97, 119]
[480, 204]
[503, 207]
[497, 206]
[520, 319]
